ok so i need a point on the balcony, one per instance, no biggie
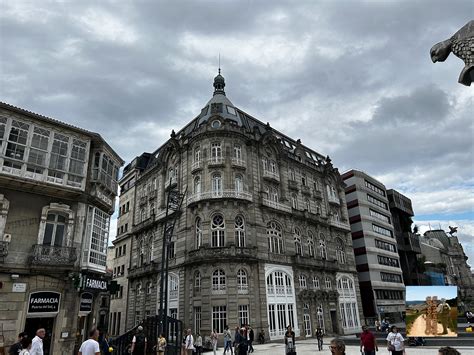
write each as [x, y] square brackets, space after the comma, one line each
[227, 253]
[50, 255]
[230, 194]
[150, 221]
[196, 165]
[314, 262]
[334, 199]
[318, 194]
[171, 182]
[218, 289]
[271, 175]
[339, 224]
[242, 289]
[145, 269]
[292, 184]
[216, 161]
[238, 163]
[276, 205]
[305, 189]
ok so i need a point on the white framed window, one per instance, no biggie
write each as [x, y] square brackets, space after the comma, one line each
[322, 248]
[197, 319]
[320, 315]
[98, 231]
[238, 183]
[243, 314]
[219, 318]
[298, 245]
[328, 283]
[275, 240]
[216, 184]
[216, 150]
[54, 230]
[17, 139]
[272, 194]
[242, 282]
[239, 232]
[197, 154]
[217, 231]
[198, 225]
[303, 283]
[197, 185]
[340, 252]
[218, 281]
[238, 151]
[316, 283]
[294, 201]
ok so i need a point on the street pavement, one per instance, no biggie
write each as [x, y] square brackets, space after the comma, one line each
[309, 346]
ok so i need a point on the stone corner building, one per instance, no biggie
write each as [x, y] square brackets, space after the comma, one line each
[263, 236]
[58, 185]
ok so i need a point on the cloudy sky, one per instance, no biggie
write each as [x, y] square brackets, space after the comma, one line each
[351, 79]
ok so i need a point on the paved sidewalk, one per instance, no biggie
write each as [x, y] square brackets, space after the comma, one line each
[308, 347]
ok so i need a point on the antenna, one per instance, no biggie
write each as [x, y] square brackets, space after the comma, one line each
[219, 63]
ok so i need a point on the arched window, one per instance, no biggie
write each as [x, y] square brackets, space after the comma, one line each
[197, 185]
[303, 284]
[320, 315]
[322, 248]
[273, 194]
[54, 230]
[298, 246]
[328, 283]
[265, 163]
[294, 201]
[149, 288]
[238, 183]
[316, 282]
[239, 232]
[197, 281]
[197, 154]
[275, 240]
[310, 244]
[216, 184]
[242, 282]
[218, 231]
[279, 283]
[237, 151]
[198, 233]
[340, 253]
[307, 205]
[218, 281]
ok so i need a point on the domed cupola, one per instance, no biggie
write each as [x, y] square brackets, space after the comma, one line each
[219, 104]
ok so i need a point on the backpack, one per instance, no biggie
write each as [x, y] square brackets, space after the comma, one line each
[139, 343]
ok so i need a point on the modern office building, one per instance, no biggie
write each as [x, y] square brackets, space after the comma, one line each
[58, 185]
[375, 247]
[262, 237]
[407, 242]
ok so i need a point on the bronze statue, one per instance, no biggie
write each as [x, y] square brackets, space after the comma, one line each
[462, 45]
[452, 230]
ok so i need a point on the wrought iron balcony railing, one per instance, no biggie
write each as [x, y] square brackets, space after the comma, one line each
[53, 255]
[212, 161]
[241, 195]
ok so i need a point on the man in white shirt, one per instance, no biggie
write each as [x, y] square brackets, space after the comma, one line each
[90, 346]
[37, 342]
[189, 343]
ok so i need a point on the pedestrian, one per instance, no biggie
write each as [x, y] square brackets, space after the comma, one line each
[16, 348]
[161, 344]
[214, 338]
[395, 342]
[377, 325]
[251, 338]
[290, 348]
[37, 342]
[227, 340]
[447, 350]
[337, 347]
[368, 341]
[139, 342]
[236, 336]
[190, 343]
[261, 336]
[91, 345]
[242, 343]
[26, 346]
[319, 338]
[103, 343]
[198, 344]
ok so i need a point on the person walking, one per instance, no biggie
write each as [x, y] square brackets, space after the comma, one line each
[139, 342]
[395, 342]
[251, 338]
[214, 338]
[337, 347]
[17, 347]
[227, 340]
[161, 344]
[91, 345]
[37, 342]
[319, 338]
[242, 343]
[290, 348]
[26, 346]
[368, 341]
[236, 337]
[103, 343]
[198, 344]
[190, 343]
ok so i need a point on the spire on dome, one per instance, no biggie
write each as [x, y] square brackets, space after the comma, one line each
[219, 84]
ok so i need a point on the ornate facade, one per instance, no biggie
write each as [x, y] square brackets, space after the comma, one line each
[263, 236]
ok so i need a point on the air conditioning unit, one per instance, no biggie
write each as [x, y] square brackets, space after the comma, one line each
[7, 238]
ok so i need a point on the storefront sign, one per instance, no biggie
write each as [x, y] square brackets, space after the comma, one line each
[19, 287]
[95, 284]
[85, 306]
[44, 302]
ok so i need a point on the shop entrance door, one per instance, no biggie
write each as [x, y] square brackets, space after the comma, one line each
[33, 324]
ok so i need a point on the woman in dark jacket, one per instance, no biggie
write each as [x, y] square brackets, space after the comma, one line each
[290, 341]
